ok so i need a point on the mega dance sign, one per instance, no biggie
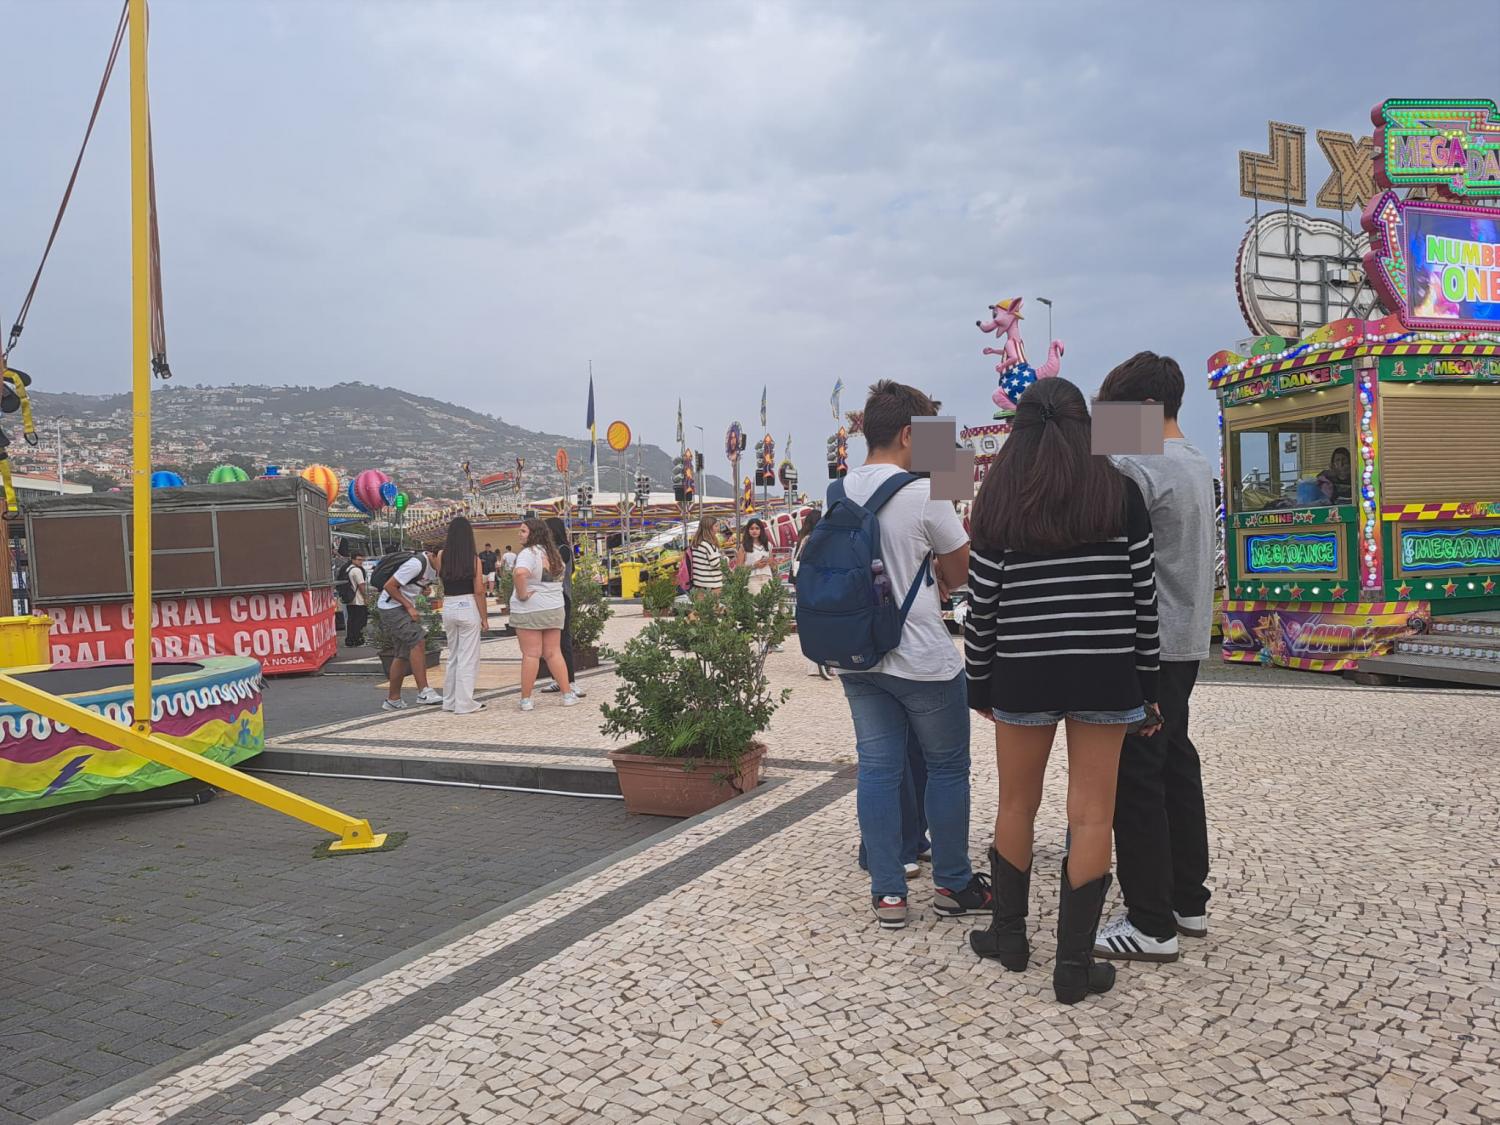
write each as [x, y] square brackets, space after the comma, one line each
[1291, 554]
[1450, 549]
[1453, 143]
[1436, 264]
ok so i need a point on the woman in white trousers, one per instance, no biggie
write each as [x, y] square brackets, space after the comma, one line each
[465, 615]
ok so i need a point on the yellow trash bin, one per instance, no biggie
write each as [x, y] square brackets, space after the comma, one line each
[25, 640]
[630, 579]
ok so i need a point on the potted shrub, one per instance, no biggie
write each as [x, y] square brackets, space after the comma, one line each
[658, 595]
[591, 609]
[694, 694]
[432, 626]
[505, 585]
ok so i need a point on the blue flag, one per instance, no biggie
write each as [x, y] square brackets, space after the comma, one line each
[593, 436]
[838, 389]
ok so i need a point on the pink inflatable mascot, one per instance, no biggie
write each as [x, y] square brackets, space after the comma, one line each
[1015, 373]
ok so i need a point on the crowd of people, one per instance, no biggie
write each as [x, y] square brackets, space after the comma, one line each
[1090, 583]
[1090, 586]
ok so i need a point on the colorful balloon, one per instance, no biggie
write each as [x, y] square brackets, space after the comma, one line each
[321, 476]
[165, 479]
[354, 501]
[228, 474]
[369, 488]
[402, 500]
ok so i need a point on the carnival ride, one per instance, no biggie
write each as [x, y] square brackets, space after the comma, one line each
[72, 734]
[1361, 462]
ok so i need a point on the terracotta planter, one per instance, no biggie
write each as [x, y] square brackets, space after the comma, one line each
[683, 787]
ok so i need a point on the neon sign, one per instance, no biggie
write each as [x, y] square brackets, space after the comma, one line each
[1451, 142]
[1450, 550]
[1292, 554]
[1287, 382]
[1436, 264]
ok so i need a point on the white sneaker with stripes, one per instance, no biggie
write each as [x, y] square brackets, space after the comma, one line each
[1121, 941]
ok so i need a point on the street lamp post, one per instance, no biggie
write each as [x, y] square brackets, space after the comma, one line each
[1048, 302]
[702, 437]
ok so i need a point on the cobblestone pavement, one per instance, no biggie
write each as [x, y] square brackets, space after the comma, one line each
[131, 938]
[731, 971]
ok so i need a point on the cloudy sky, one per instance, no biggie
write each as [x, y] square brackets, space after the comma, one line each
[474, 200]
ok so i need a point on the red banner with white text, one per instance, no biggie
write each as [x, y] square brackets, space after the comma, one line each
[286, 630]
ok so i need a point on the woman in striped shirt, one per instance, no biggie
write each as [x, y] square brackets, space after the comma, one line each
[1061, 628]
[705, 560]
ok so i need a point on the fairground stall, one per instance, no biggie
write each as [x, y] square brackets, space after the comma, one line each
[1362, 461]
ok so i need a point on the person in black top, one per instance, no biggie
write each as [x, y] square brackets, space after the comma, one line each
[560, 537]
[1062, 628]
[489, 558]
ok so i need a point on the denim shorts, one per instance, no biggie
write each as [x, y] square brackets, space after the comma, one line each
[1052, 718]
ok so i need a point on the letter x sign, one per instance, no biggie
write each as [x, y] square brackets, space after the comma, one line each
[1279, 175]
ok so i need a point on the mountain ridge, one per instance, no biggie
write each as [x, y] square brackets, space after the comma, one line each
[422, 442]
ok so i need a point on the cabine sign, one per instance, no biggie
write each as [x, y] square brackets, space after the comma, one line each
[288, 631]
[1436, 264]
[1452, 143]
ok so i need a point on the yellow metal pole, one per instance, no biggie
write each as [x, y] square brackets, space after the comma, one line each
[353, 833]
[140, 358]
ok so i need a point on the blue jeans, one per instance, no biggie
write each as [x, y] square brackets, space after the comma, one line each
[889, 715]
[914, 839]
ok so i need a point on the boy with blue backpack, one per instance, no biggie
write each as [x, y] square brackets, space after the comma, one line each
[868, 589]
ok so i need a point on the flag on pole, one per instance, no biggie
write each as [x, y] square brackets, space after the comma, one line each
[679, 423]
[593, 435]
[762, 405]
[838, 388]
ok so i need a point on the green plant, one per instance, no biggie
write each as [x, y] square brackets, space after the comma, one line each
[659, 592]
[590, 608]
[432, 628]
[694, 685]
[505, 585]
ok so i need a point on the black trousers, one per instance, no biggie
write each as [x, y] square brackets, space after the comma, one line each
[1161, 830]
[567, 640]
[358, 616]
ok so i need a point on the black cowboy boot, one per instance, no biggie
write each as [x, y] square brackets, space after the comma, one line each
[1076, 973]
[1005, 940]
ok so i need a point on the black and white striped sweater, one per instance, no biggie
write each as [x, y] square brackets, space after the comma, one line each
[1075, 631]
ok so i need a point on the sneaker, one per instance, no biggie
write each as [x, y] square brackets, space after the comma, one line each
[551, 689]
[925, 857]
[1121, 941]
[912, 870]
[1191, 925]
[429, 697]
[973, 899]
[393, 705]
[528, 705]
[571, 699]
[890, 910]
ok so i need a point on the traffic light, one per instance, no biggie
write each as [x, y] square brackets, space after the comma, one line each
[700, 462]
[833, 457]
[642, 489]
[678, 481]
[789, 477]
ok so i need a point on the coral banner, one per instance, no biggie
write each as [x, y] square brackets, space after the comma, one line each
[1318, 637]
[286, 630]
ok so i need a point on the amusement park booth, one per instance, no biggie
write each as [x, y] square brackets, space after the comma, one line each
[1362, 522]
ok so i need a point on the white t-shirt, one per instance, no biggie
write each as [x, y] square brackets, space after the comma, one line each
[508, 560]
[759, 576]
[358, 578]
[411, 576]
[911, 524]
[544, 594]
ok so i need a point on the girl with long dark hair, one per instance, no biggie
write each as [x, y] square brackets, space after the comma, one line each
[755, 553]
[465, 614]
[1062, 628]
[538, 611]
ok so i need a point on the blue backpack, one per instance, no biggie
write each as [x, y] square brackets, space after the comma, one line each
[845, 617]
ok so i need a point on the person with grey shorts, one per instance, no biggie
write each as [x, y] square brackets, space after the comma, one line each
[402, 622]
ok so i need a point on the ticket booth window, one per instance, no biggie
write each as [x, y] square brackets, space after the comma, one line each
[1293, 462]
